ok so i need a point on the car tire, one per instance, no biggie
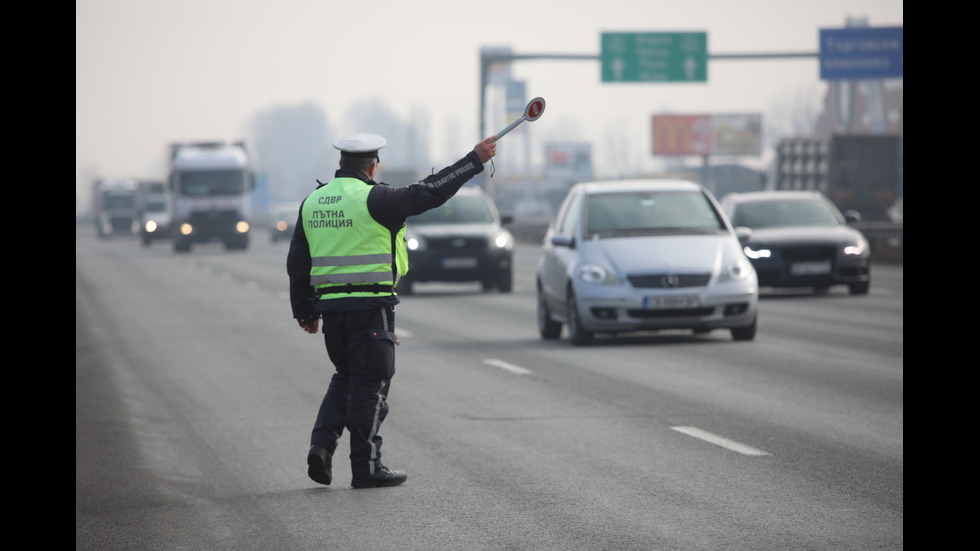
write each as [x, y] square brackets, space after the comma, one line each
[182, 245]
[859, 288]
[505, 283]
[236, 243]
[547, 327]
[746, 333]
[578, 334]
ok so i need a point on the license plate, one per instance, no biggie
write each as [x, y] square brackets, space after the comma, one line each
[459, 262]
[671, 302]
[810, 268]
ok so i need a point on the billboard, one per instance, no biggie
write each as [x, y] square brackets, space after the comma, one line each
[735, 134]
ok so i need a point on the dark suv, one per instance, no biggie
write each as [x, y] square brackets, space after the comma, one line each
[463, 240]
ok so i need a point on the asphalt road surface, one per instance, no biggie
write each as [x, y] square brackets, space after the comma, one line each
[195, 392]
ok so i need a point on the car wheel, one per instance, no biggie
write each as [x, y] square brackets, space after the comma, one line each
[579, 335]
[236, 243]
[746, 333]
[547, 327]
[859, 288]
[506, 282]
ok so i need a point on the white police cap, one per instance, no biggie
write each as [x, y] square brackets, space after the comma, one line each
[360, 145]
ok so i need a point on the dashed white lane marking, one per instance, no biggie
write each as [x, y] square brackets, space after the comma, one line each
[516, 369]
[719, 441]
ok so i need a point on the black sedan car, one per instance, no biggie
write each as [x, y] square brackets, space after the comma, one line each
[464, 240]
[282, 220]
[801, 239]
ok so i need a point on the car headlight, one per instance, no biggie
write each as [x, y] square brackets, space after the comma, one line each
[735, 271]
[596, 275]
[415, 243]
[503, 240]
[150, 226]
[857, 249]
[756, 252]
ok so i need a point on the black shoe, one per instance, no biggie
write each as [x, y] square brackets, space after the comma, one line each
[382, 477]
[320, 465]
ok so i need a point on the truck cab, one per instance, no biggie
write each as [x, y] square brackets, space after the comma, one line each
[114, 203]
[210, 186]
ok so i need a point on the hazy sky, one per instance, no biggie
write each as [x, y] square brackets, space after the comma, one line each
[151, 72]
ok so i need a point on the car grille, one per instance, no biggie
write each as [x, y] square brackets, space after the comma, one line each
[456, 243]
[219, 220]
[666, 281]
[797, 254]
[122, 224]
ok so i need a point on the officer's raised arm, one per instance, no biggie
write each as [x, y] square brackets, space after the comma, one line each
[486, 149]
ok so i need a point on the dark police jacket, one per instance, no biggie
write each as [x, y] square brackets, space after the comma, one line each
[390, 207]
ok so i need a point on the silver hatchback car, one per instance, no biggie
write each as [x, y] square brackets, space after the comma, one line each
[642, 255]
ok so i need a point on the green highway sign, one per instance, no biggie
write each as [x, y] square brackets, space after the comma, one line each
[654, 57]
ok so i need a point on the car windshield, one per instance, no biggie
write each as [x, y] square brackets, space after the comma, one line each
[212, 182]
[676, 211]
[120, 202]
[771, 214]
[461, 209]
[156, 206]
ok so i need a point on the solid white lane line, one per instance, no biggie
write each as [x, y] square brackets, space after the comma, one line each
[719, 441]
[507, 366]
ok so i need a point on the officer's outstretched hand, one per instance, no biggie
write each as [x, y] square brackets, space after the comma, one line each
[486, 149]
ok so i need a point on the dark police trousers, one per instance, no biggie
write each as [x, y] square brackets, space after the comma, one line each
[361, 346]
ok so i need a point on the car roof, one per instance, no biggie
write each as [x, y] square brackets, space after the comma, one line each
[774, 195]
[646, 184]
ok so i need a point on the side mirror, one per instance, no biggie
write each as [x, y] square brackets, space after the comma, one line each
[506, 219]
[563, 241]
[851, 216]
[743, 233]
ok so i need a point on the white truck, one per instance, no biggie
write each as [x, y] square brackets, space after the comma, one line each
[210, 186]
[153, 211]
[114, 207]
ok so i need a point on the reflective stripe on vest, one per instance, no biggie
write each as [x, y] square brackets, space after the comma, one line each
[347, 246]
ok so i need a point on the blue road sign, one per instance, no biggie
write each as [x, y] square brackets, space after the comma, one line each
[861, 53]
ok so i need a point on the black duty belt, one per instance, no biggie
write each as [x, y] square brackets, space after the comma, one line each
[352, 288]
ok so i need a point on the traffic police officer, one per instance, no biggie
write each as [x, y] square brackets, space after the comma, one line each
[345, 258]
